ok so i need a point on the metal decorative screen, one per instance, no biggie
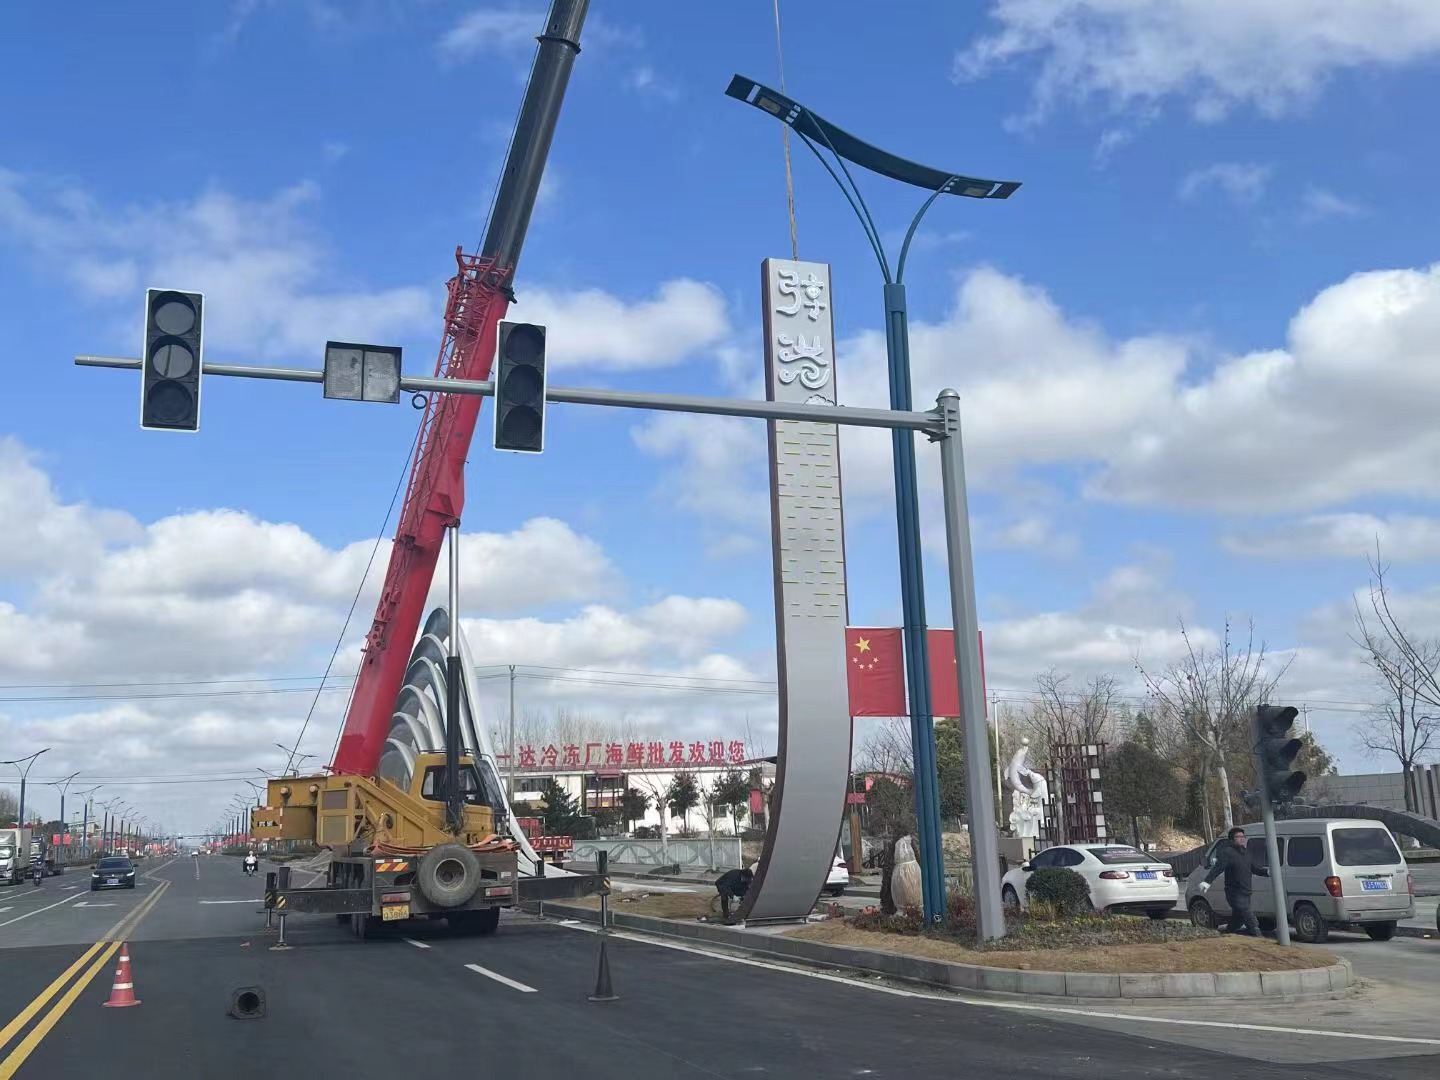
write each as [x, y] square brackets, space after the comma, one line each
[1075, 813]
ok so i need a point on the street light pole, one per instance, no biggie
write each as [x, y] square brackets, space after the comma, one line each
[64, 786]
[25, 772]
[87, 795]
[812, 129]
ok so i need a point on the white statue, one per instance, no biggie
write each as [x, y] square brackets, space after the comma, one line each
[1031, 792]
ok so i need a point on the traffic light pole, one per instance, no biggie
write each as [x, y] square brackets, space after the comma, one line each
[942, 425]
[1277, 875]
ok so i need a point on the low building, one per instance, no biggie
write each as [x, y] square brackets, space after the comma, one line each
[649, 768]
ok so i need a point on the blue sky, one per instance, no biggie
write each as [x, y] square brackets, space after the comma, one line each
[1180, 397]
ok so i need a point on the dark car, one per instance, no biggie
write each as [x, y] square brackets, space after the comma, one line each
[113, 872]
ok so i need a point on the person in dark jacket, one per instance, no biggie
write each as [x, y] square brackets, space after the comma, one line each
[732, 885]
[1233, 860]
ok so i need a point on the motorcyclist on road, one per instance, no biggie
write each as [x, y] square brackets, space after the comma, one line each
[251, 863]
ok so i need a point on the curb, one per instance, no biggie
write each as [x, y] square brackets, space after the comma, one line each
[1055, 987]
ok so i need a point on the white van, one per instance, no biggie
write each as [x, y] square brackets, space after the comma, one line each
[1339, 872]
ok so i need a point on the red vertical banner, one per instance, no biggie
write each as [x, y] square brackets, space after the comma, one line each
[875, 669]
[945, 676]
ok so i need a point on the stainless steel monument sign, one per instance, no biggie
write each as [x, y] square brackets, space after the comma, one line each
[810, 601]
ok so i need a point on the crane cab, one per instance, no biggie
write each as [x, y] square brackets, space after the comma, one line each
[340, 811]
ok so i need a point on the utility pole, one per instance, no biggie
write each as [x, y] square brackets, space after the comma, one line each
[999, 790]
[511, 801]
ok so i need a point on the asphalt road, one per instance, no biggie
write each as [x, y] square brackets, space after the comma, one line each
[516, 1004]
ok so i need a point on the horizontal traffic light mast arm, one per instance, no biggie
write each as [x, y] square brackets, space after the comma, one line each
[929, 422]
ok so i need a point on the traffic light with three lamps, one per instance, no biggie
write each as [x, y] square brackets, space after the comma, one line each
[171, 359]
[520, 388]
[1275, 753]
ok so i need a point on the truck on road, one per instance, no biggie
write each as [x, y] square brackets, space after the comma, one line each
[394, 856]
[14, 855]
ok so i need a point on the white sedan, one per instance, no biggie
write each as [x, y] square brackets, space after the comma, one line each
[835, 881]
[1120, 878]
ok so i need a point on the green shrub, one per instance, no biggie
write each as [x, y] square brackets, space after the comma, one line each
[1064, 889]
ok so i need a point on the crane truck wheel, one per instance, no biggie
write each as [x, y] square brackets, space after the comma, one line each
[448, 875]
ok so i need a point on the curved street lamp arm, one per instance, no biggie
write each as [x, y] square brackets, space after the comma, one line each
[857, 203]
[915, 224]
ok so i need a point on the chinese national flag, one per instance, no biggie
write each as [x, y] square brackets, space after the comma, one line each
[944, 678]
[875, 659]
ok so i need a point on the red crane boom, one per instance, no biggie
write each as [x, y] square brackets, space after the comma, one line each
[479, 296]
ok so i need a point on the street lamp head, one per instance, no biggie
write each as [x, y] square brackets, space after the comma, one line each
[806, 123]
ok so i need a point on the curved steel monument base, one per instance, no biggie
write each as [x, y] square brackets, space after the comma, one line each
[813, 764]
[419, 724]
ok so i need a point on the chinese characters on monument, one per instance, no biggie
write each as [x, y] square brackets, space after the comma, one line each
[810, 599]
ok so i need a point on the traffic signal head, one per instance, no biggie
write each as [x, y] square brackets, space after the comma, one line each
[170, 360]
[1275, 752]
[520, 388]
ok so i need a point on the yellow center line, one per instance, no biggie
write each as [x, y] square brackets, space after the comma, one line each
[110, 941]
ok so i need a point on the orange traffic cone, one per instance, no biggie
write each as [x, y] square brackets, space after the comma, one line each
[122, 990]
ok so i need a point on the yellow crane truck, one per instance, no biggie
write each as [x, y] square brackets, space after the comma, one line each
[396, 855]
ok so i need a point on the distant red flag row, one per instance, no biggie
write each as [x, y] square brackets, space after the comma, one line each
[876, 666]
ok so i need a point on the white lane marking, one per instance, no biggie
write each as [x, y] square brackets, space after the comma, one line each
[37, 911]
[417, 944]
[69, 886]
[255, 900]
[4, 909]
[502, 979]
[960, 999]
[92, 903]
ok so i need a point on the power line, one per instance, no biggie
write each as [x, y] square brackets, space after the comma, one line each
[153, 690]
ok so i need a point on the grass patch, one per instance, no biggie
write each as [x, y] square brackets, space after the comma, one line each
[1203, 951]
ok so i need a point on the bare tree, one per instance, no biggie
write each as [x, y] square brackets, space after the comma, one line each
[1408, 724]
[712, 811]
[1212, 693]
[649, 784]
[886, 748]
[1060, 715]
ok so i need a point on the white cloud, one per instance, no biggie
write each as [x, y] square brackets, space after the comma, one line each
[1215, 55]
[42, 533]
[1038, 389]
[1402, 538]
[716, 470]
[1317, 204]
[262, 267]
[1132, 611]
[513, 29]
[1341, 412]
[592, 328]
[265, 273]
[1030, 532]
[219, 594]
[644, 80]
[492, 30]
[1243, 183]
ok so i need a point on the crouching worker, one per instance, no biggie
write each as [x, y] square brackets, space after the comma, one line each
[732, 885]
